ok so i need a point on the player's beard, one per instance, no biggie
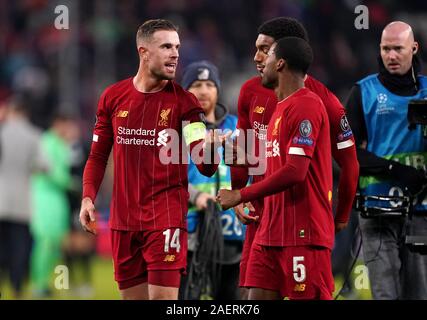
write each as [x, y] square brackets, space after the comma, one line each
[162, 75]
[268, 82]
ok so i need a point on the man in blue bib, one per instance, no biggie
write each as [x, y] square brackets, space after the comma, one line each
[205, 244]
[392, 161]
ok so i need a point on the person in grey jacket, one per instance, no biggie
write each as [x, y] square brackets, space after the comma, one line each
[20, 157]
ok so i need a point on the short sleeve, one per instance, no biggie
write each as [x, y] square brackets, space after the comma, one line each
[193, 118]
[103, 130]
[304, 122]
[341, 133]
[243, 105]
[191, 110]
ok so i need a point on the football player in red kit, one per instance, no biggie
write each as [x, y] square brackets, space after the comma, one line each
[291, 253]
[138, 118]
[255, 107]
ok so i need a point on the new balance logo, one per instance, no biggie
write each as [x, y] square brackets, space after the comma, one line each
[122, 114]
[169, 258]
[299, 287]
[259, 109]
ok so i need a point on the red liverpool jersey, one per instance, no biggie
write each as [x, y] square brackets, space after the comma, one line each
[302, 214]
[256, 106]
[147, 194]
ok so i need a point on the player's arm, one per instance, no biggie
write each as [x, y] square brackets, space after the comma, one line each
[293, 172]
[347, 185]
[295, 169]
[93, 174]
[203, 145]
[239, 175]
[370, 163]
[344, 153]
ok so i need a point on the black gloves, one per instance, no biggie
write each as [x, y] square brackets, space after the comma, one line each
[412, 179]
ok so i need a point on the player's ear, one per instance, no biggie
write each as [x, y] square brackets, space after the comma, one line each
[280, 64]
[143, 53]
[415, 48]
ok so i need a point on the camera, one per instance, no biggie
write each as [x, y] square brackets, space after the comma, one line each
[379, 206]
[399, 206]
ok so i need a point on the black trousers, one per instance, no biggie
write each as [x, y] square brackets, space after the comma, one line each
[228, 286]
[15, 250]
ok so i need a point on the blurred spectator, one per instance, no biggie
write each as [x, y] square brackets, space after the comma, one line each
[30, 45]
[4, 95]
[50, 221]
[20, 157]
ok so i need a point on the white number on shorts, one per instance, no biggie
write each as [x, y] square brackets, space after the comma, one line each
[298, 269]
[174, 243]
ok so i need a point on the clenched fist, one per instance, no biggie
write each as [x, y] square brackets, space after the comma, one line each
[228, 198]
[87, 216]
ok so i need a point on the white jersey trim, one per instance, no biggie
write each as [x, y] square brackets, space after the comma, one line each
[344, 144]
[297, 151]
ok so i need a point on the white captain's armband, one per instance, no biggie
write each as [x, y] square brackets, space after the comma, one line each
[193, 132]
[345, 144]
[297, 151]
[95, 138]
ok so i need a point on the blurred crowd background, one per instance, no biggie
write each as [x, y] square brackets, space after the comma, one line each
[58, 75]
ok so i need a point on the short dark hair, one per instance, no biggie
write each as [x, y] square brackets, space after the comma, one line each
[147, 29]
[297, 53]
[283, 27]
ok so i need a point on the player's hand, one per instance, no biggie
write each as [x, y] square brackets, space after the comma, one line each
[244, 218]
[234, 155]
[214, 140]
[339, 226]
[87, 216]
[228, 198]
[202, 200]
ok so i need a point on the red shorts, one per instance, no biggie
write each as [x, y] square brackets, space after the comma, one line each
[159, 257]
[303, 272]
[247, 244]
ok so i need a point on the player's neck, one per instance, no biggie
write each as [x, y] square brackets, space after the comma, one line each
[289, 84]
[145, 83]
